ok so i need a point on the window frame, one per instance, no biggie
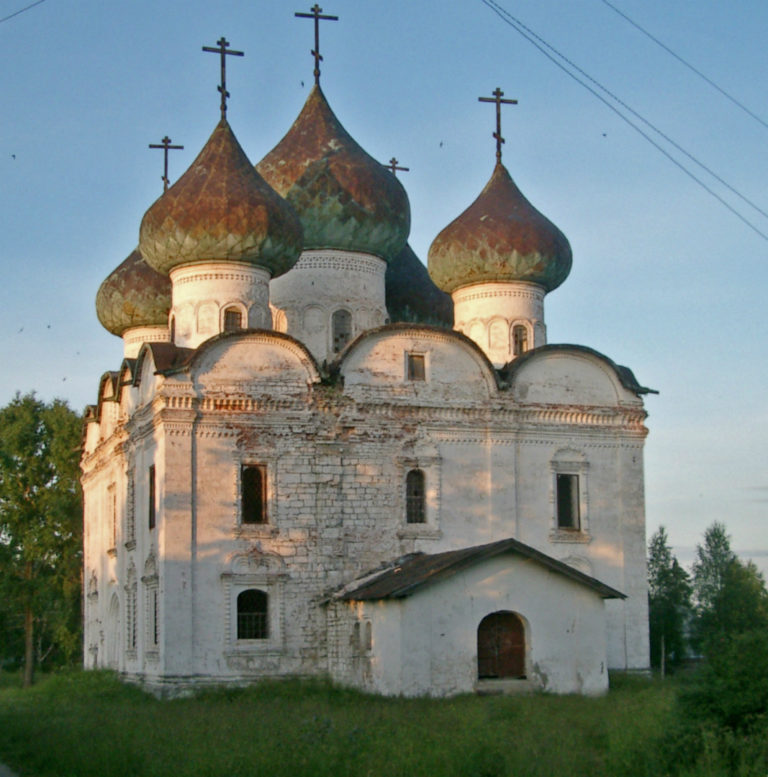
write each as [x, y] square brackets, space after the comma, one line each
[333, 333]
[113, 517]
[130, 509]
[429, 464]
[415, 497]
[526, 343]
[567, 501]
[263, 498]
[231, 310]
[151, 497]
[574, 465]
[410, 358]
[265, 572]
[264, 613]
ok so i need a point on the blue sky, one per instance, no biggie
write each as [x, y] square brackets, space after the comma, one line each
[665, 280]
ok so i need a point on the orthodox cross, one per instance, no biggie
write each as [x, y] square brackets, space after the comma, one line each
[317, 14]
[223, 45]
[165, 144]
[497, 95]
[394, 168]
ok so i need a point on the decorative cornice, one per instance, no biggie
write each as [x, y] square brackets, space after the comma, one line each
[342, 261]
[482, 291]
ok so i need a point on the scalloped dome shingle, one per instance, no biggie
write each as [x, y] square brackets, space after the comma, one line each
[221, 209]
[500, 237]
[345, 198]
[133, 295]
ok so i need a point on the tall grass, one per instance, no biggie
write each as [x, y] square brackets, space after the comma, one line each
[88, 723]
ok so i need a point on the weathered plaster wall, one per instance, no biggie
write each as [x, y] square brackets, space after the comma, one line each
[426, 644]
[336, 456]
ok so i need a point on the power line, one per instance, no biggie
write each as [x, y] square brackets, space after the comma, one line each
[645, 121]
[540, 43]
[687, 64]
[16, 13]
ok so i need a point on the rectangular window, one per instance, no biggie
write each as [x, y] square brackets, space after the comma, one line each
[416, 370]
[415, 497]
[152, 497]
[130, 515]
[131, 617]
[112, 502]
[568, 516]
[233, 320]
[154, 619]
[253, 494]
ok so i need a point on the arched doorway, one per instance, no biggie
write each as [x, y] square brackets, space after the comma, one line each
[501, 646]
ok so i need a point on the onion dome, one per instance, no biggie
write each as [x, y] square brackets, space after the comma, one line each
[411, 294]
[221, 209]
[500, 237]
[345, 198]
[133, 295]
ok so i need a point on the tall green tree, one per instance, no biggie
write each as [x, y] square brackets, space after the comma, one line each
[709, 568]
[740, 606]
[669, 602]
[40, 524]
[713, 557]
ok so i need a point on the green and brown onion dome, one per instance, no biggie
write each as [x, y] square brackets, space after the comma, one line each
[221, 209]
[411, 294]
[345, 198]
[133, 295]
[500, 237]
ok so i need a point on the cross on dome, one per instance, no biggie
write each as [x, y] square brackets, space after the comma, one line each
[394, 167]
[497, 95]
[165, 144]
[317, 14]
[222, 49]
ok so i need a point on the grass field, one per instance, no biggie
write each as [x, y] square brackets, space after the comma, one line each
[80, 724]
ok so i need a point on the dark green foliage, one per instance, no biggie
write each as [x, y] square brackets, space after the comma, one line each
[721, 717]
[40, 531]
[669, 602]
[731, 689]
[739, 606]
[712, 560]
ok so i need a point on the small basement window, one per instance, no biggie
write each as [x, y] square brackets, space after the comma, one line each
[568, 514]
[253, 496]
[416, 366]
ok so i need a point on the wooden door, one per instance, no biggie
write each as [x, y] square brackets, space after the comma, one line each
[501, 646]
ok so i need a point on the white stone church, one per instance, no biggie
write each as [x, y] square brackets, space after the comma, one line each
[301, 469]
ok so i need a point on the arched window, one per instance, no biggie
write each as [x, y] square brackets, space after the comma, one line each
[415, 501]
[233, 320]
[501, 646]
[519, 339]
[341, 324]
[252, 611]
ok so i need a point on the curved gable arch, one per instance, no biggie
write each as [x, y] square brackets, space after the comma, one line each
[454, 367]
[253, 356]
[572, 375]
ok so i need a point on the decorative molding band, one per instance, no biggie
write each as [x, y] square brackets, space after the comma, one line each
[341, 261]
[218, 276]
[481, 292]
